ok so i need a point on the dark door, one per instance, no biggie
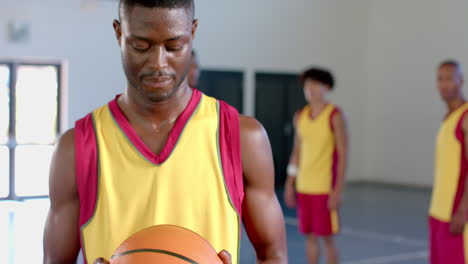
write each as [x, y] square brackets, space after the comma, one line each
[278, 97]
[223, 85]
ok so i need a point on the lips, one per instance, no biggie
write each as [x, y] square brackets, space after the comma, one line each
[157, 82]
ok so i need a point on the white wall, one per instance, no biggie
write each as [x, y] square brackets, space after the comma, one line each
[287, 36]
[345, 52]
[266, 35]
[407, 39]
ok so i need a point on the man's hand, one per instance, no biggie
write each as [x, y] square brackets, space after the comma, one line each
[290, 197]
[334, 201]
[101, 261]
[457, 225]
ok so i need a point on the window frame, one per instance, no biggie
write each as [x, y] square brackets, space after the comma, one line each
[62, 105]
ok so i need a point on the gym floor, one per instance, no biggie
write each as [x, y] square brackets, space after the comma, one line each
[381, 224]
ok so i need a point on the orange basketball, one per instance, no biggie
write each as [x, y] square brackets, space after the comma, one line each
[165, 244]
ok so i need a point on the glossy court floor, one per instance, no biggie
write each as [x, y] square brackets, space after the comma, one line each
[380, 225]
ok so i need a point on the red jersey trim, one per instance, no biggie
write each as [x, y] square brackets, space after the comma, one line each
[230, 152]
[173, 137]
[463, 164]
[86, 169]
[335, 111]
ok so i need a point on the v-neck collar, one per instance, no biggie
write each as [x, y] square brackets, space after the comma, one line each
[309, 114]
[173, 137]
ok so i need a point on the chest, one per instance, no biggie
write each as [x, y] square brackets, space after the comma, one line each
[154, 138]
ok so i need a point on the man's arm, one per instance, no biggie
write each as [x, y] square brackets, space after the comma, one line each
[341, 139]
[262, 215]
[458, 222]
[61, 237]
[289, 187]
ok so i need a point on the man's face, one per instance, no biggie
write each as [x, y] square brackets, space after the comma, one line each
[156, 45]
[449, 82]
[314, 91]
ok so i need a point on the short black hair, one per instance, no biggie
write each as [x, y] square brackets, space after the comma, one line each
[170, 4]
[450, 62]
[318, 74]
[453, 63]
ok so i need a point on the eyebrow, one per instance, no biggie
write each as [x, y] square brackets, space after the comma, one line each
[149, 40]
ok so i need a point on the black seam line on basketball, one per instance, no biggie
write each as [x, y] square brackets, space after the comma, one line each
[170, 253]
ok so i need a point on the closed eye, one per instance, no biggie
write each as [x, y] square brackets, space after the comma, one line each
[140, 47]
[174, 47]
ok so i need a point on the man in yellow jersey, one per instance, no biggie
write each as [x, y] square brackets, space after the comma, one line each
[316, 172]
[449, 205]
[162, 153]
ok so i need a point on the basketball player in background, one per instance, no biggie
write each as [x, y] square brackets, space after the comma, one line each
[316, 171]
[449, 205]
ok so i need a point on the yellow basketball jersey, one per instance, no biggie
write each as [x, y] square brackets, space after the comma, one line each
[450, 166]
[317, 152]
[194, 182]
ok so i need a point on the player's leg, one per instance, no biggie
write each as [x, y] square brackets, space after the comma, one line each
[331, 250]
[312, 249]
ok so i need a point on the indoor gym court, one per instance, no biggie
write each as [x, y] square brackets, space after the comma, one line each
[383, 53]
[371, 233]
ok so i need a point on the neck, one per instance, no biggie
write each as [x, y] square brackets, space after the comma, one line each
[134, 104]
[318, 104]
[453, 104]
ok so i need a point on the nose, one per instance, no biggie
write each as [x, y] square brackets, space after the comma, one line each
[158, 58]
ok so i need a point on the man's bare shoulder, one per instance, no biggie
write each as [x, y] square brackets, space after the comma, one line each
[250, 126]
[62, 173]
[67, 139]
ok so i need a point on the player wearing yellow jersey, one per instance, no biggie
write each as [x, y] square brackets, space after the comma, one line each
[316, 172]
[449, 205]
[162, 153]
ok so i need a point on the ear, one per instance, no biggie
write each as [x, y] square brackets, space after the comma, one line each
[194, 28]
[118, 30]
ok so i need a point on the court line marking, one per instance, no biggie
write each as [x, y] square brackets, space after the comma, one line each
[392, 259]
[385, 237]
[401, 240]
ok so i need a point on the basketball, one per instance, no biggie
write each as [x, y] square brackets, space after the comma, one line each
[168, 244]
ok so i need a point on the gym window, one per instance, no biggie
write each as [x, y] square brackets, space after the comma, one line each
[31, 118]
